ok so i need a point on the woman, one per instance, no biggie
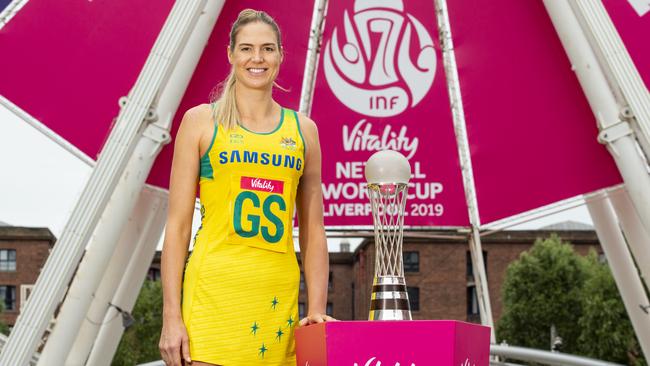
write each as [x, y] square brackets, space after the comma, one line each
[252, 159]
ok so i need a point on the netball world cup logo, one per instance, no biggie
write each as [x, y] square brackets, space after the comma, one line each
[382, 61]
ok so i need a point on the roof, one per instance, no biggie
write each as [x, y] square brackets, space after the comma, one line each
[26, 233]
[568, 225]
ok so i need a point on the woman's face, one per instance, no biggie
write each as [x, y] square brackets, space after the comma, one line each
[256, 56]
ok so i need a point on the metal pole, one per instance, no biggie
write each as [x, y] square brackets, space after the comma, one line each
[615, 131]
[57, 272]
[622, 266]
[313, 50]
[167, 105]
[110, 333]
[638, 239]
[453, 85]
[545, 357]
[618, 66]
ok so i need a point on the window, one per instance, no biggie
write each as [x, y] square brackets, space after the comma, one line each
[411, 261]
[302, 281]
[25, 291]
[301, 310]
[330, 309]
[154, 274]
[8, 293]
[330, 281]
[414, 298]
[470, 269]
[7, 259]
[473, 314]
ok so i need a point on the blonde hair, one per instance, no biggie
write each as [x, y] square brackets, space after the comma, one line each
[224, 104]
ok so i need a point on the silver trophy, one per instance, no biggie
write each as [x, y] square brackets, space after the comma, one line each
[388, 173]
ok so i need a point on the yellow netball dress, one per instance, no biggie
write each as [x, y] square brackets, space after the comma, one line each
[241, 282]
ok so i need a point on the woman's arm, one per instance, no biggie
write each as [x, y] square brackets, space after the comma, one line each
[182, 198]
[313, 243]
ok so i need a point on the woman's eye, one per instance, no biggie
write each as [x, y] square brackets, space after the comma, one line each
[269, 49]
[245, 49]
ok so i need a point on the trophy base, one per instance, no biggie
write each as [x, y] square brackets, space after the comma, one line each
[389, 300]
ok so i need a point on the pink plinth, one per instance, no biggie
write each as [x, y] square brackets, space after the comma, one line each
[393, 343]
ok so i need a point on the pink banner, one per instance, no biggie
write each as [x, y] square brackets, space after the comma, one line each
[71, 61]
[380, 85]
[532, 134]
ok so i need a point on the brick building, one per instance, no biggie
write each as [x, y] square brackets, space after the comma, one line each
[437, 267]
[23, 252]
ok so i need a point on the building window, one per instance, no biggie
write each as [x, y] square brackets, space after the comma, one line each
[25, 291]
[330, 281]
[7, 259]
[411, 261]
[302, 280]
[330, 309]
[470, 268]
[8, 293]
[154, 274]
[473, 314]
[301, 310]
[414, 298]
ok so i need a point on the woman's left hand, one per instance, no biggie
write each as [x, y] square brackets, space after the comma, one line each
[316, 318]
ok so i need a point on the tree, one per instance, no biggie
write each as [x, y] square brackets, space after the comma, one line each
[543, 288]
[606, 330]
[4, 328]
[139, 344]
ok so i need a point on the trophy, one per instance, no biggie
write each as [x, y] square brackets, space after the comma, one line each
[387, 173]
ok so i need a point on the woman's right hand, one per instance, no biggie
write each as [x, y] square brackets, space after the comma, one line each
[174, 342]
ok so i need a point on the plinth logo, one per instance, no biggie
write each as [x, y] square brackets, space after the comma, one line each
[387, 60]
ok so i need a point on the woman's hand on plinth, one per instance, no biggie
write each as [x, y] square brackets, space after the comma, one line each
[316, 318]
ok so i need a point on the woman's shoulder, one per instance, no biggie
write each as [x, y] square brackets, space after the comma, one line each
[306, 124]
[196, 122]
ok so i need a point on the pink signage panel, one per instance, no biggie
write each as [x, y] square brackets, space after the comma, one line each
[68, 62]
[393, 343]
[532, 134]
[71, 61]
[380, 85]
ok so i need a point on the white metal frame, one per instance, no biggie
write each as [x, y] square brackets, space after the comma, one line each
[51, 285]
[458, 113]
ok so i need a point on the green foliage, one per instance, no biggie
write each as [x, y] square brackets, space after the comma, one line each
[139, 343]
[541, 289]
[552, 285]
[4, 328]
[606, 331]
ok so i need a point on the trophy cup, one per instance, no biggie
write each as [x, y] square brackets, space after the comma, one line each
[387, 173]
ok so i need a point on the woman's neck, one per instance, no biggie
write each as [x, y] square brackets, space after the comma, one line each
[257, 109]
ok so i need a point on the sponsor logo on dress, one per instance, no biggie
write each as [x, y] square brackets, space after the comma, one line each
[262, 185]
[372, 68]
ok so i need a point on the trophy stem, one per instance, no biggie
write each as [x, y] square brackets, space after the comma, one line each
[389, 300]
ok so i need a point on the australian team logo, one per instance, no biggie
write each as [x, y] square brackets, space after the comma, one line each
[381, 61]
[288, 143]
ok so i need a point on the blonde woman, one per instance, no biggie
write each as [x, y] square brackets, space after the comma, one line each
[254, 162]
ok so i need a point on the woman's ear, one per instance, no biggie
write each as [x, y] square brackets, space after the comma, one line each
[229, 52]
[281, 54]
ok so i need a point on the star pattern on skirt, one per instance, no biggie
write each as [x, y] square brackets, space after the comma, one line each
[279, 334]
[275, 302]
[262, 350]
[254, 328]
[290, 321]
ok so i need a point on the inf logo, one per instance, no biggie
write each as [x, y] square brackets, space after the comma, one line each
[387, 60]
